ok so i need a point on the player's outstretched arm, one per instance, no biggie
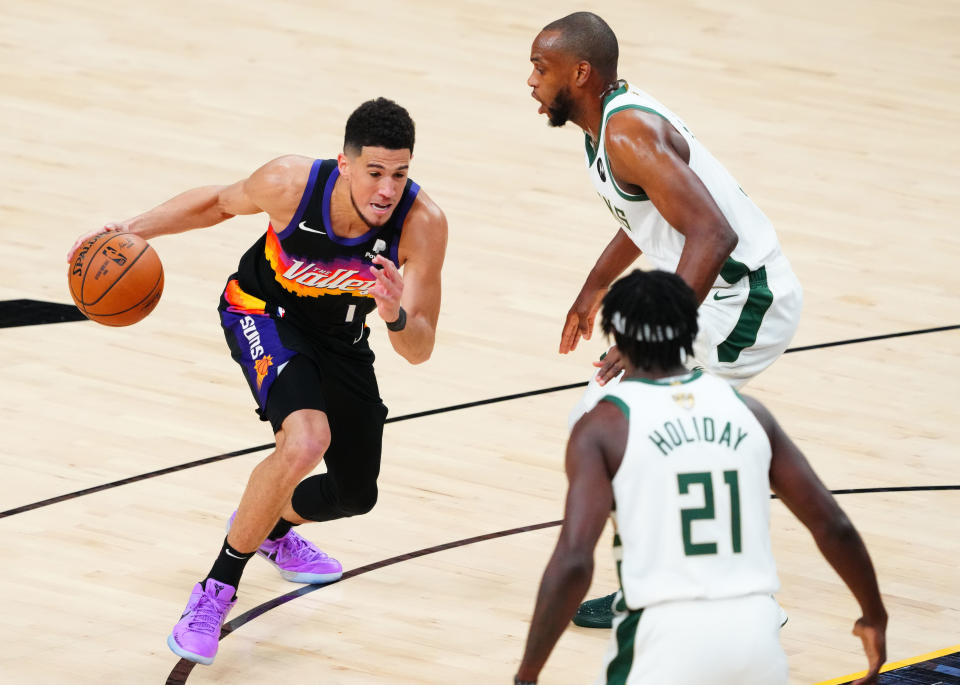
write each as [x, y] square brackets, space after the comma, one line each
[642, 151]
[616, 257]
[795, 482]
[423, 246]
[594, 452]
[274, 188]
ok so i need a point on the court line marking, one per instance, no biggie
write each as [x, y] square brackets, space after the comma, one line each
[428, 412]
[894, 665]
[181, 670]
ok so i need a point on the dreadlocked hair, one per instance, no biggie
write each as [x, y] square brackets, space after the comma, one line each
[652, 316]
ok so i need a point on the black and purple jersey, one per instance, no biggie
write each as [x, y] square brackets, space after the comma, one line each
[307, 275]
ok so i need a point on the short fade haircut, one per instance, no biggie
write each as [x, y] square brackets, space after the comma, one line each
[585, 36]
[652, 316]
[379, 123]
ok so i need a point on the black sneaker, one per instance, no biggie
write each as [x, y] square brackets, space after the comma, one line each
[595, 613]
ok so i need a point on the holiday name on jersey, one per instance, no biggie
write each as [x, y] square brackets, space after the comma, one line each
[682, 430]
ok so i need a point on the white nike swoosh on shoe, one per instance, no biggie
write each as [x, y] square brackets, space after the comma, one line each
[303, 225]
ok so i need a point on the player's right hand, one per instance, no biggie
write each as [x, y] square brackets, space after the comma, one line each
[580, 319]
[609, 366]
[874, 639]
[85, 237]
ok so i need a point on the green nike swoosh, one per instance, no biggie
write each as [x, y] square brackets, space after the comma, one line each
[716, 296]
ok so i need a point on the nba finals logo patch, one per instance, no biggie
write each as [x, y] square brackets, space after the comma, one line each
[262, 366]
[684, 399]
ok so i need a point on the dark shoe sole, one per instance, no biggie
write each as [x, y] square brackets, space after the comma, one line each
[595, 613]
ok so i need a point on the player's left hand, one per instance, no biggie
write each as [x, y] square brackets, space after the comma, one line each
[388, 288]
[610, 365]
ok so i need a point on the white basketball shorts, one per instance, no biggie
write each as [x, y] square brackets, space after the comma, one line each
[744, 328]
[720, 641]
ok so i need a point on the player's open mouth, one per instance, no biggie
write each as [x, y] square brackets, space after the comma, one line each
[542, 108]
[381, 209]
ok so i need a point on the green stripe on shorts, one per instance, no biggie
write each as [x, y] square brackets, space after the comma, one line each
[619, 668]
[744, 334]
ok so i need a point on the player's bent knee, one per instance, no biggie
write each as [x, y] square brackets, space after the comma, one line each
[360, 502]
[302, 451]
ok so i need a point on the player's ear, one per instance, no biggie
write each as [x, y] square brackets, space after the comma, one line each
[343, 165]
[583, 73]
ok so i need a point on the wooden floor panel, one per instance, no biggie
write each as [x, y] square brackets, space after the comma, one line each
[838, 119]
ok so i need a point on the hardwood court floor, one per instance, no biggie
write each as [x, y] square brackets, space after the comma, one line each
[839, 119]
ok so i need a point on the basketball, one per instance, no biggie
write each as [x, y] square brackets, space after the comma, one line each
[116, 278]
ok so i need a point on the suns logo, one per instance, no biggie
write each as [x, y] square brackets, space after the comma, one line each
[262, 367]
[250, 332]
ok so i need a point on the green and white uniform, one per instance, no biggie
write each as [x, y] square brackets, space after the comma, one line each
[644, 224]
[692, 543]
[753, 309]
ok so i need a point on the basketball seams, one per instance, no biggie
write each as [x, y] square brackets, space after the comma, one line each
[119, 276]
[152, 293]
[77, 298]
[116, 304]
[86, 269]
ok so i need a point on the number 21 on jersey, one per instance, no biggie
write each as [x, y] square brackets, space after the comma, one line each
[704, 479]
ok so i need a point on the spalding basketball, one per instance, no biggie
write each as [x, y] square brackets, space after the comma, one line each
[116, 278]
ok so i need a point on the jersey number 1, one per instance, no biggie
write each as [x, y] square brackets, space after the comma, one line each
[689, 515]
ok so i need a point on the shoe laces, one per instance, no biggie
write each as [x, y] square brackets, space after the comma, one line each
[207, 616]
[296, 546]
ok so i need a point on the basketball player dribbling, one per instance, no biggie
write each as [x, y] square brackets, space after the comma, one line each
[674, 202]
[683, 466]
[294, 318]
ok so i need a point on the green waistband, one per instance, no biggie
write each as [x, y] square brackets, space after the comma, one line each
[758, 278]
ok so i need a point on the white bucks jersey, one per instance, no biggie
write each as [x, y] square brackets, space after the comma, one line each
[692, 495]
[646, 226]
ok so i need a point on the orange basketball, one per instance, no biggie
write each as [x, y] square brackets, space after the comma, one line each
[116, 278]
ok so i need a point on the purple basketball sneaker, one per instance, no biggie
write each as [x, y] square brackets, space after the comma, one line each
[197, 633]
[297, 559]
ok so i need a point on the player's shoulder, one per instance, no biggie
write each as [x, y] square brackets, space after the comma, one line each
[285, 168]
[603, 430]
[611, 410]
[280, 182]
[634, 126]
[426, 216]
[762, 414]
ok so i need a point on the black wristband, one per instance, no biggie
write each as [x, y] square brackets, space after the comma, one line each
[400, 323]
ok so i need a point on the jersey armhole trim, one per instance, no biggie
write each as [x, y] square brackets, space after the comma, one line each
[618, 403]
[631, 197]
[304, 200]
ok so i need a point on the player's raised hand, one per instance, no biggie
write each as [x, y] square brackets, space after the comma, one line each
[874, 639]
[580, 319]
[388, 288]
[86, 236]
[610, 365]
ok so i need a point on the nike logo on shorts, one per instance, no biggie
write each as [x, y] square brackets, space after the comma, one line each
[716, 296]
[303, 225]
